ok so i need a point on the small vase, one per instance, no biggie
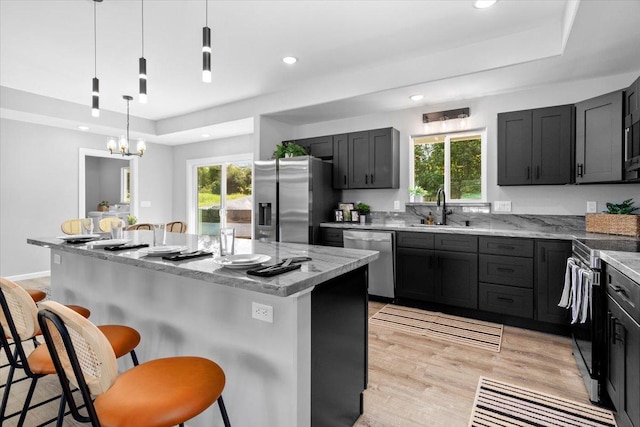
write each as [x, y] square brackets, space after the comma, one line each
[416, 199]
[363, 219]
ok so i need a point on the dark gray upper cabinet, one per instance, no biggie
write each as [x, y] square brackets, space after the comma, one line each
[632, 102]
[320, 147]
[599, 123]
[340, 162]
[536, 146]
[374, 159]
[632, 132]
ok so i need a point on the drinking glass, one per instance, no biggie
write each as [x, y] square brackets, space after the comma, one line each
[227, 236]
[159, 235]
[87, 225]
[117, 228]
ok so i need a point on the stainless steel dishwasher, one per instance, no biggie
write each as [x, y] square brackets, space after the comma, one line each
[382, 270]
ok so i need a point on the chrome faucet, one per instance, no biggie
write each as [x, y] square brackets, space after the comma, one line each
[442, 212]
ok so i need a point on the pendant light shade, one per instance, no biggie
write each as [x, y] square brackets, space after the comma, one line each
[95, 83]
[142, 65]
[206, 47]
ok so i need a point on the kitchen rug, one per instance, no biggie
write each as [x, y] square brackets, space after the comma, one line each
[459, 330]
[506, 405]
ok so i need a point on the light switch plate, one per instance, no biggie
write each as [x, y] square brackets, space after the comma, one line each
[502, 206]
[592, 207]
[145, 204]
[396, 204]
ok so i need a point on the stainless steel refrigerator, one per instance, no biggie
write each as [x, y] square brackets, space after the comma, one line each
[292, 197]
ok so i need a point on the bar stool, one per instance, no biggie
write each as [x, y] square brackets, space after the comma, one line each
[141, 226]
[158, 393]
[19, 319]
[176, 227]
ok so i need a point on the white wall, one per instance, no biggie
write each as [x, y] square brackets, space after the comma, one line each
[201, 150]
[39, 188]
[548, 199]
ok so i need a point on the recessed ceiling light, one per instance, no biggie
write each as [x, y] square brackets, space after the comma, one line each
[416, 97]
[289, 60]
[206, 135]
[483, 4]
[83, 127]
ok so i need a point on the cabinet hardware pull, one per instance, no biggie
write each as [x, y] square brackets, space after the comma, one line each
[505, 299]
[580, 170]
[345, 180]
[538, 172]
[528, 173]
[366, 178]
[506, 270]
[372, 178]
[543, 254]
[618, 289]
[617, 337]
[506, 247]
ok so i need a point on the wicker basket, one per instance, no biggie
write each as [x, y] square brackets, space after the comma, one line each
[624, 225]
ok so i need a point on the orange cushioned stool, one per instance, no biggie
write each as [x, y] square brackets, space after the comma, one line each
[158, 393]
[20, 322]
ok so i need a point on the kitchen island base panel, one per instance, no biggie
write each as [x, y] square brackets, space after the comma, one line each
[269, 366]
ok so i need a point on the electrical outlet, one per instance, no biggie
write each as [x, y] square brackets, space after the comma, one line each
[262, 312]
[396, 204]
[502, 206]
[57, 259]
[592, 207]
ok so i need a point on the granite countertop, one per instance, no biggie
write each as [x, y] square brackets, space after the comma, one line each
[326, 262]
[627, 263]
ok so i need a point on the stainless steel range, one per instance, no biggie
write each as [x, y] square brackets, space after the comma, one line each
[589, 338]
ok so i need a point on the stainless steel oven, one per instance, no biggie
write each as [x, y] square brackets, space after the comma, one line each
[589, 338]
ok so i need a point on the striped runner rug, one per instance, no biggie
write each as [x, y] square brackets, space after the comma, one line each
[500, 404]
[459, 330]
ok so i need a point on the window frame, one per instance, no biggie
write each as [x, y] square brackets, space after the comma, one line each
[482, 132]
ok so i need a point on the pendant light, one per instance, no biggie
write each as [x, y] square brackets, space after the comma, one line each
[206, 47]
[142, 63]
[122, 146]
[95, 83]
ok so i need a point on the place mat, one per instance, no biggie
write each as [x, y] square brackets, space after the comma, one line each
[79, 241]
[459, 330]
[181, 257]
[507, 405]
[273, 270]
[125, 247]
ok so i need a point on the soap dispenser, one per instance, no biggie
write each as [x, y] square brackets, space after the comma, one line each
[430, 219]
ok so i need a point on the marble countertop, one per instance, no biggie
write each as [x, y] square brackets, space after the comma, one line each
[627, 263]
[479, 231]
[326, 262]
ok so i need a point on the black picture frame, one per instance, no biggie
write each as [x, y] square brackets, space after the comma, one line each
[346, 208]
[338, 215]
[355, 216]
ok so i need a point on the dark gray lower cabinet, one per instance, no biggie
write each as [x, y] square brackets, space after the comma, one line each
[506, 300]
[623, 368]
[456, 279]
[331, 237]
[551, 262]
[414, 273]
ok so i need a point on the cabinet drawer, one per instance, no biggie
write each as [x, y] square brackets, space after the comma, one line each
[624, 291]
[506, 300]
[504, 270]
[455, 242]
[414, 240]
[509, 246]
[331, 236]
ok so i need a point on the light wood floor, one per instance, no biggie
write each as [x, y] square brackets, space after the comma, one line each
[414, 381]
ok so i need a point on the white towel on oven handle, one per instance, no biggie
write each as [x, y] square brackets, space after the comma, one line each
[586, 295]
[565, 300]
[576, 293]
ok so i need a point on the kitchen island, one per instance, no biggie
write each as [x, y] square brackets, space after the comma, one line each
[306, 367]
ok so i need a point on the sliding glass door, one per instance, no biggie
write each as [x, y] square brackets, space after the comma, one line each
[223, 195]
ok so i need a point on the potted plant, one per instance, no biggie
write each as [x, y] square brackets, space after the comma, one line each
[288, 149]
[103, 206]
[417, 193]
[364, 210]
[131, 219]
[619, 219]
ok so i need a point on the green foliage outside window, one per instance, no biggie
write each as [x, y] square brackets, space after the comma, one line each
[465, 168]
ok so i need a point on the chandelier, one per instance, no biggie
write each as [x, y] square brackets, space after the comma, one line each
[122, 146]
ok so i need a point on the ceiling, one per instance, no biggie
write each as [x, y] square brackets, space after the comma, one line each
[355, 57]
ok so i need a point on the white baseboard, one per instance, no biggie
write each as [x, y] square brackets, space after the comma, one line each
[28, 276]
